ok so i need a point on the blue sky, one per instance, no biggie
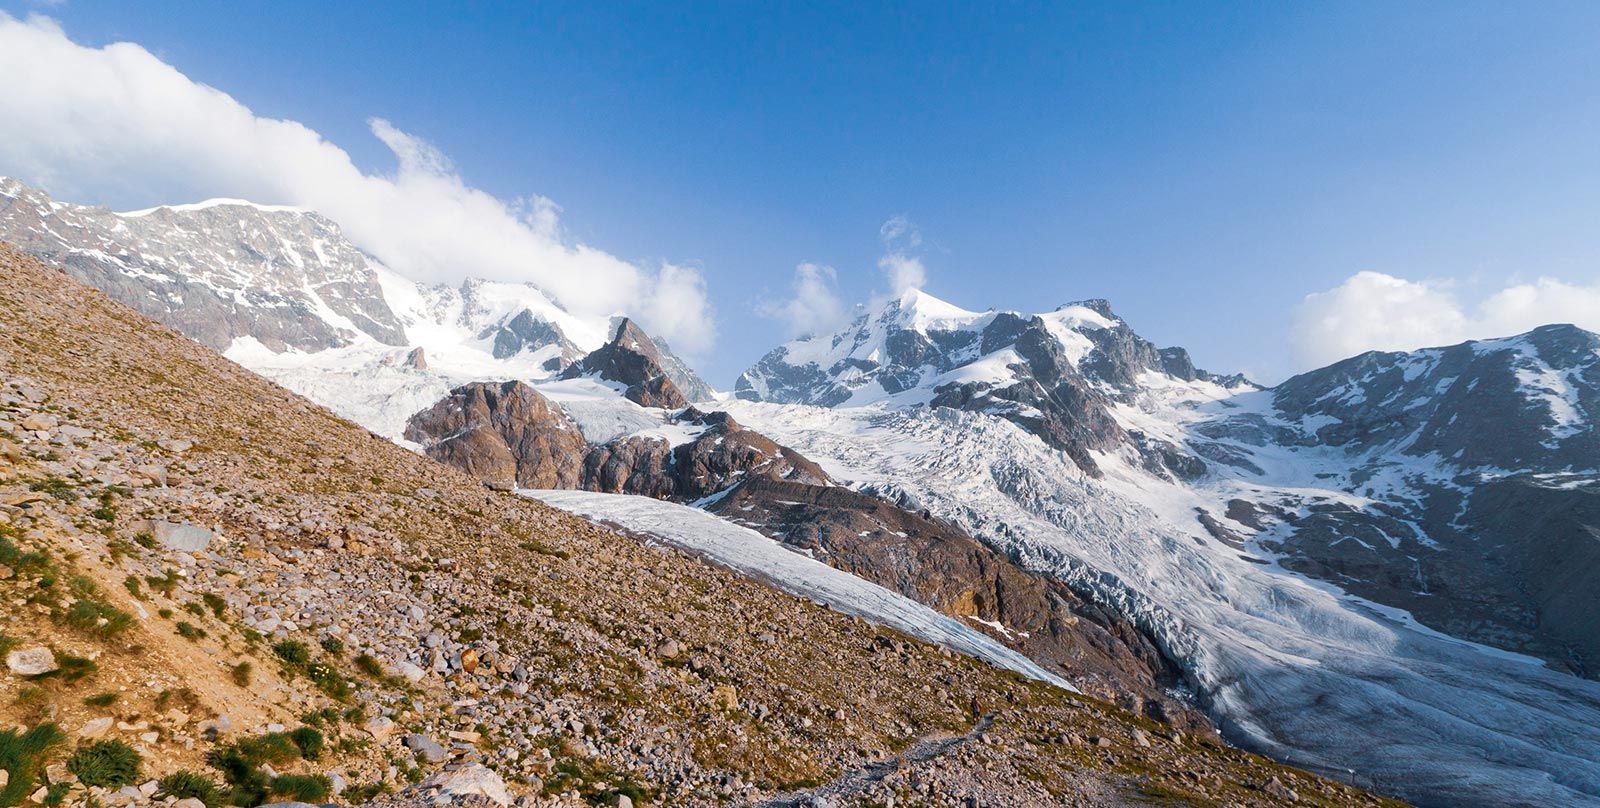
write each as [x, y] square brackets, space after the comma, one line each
[1204, 166]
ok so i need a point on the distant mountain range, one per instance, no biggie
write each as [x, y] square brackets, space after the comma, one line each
[1343, 570]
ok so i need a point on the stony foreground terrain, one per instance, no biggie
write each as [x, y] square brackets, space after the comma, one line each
[233, 583]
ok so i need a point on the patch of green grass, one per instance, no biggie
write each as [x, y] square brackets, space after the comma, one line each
[165, 584]
[101, 700]
[145, 539]
[21, 562]
[240, 674]
[293, 652]
[108, 764]
[95, 617]
[369, 665]
[364, 793]
[309, 740]
[215, 603]
[57, 487]
[131, 584]
[329, 680]
[189, 631]
[246, 784]
[333, 645]
[272, 747]
[186, 784]
[302, 787]
[69, 668]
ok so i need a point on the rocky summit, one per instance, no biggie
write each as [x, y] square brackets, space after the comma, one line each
[366, 624]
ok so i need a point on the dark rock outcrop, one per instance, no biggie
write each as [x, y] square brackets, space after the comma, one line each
[526, 332]
[508, 432]
[502, 432]
[632, 359]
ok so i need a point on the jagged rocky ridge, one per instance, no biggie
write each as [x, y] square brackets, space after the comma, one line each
[1056, 374]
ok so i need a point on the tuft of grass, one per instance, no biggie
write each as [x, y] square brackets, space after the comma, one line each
[293, 652]
[309, 740]
[108, 764]
[303, 787]
[186, 784]
[329, 680]
[189, 631]
[165, 584]
[215, 603]
[57, 487]
[23, 755]
[333, 645]
[101, 700]
[365, 792]
[241, 674]
[271, 747]
[369, 665]
[94, 617]
[246, 784]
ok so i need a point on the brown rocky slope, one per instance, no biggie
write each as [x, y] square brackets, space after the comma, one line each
[426, 627]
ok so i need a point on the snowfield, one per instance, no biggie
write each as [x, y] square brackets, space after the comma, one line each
[756, 555]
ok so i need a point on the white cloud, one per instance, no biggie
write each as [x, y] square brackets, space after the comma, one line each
[814, 307]
[117, 122]
[899, 233]
[902, 270]
[1374, 311]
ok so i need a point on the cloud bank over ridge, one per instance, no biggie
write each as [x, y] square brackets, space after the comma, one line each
[88, 123]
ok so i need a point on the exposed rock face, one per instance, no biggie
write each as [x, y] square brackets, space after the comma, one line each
[216, 271]
[938, 564]
[1526, 402]
[1479, 465]
[722, 455]
[631, 358]
[526, 332]
[502, 432]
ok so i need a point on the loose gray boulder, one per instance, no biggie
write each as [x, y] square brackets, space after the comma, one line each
[34, 661]
[184, 538]
[428, 748]
[470, 780]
